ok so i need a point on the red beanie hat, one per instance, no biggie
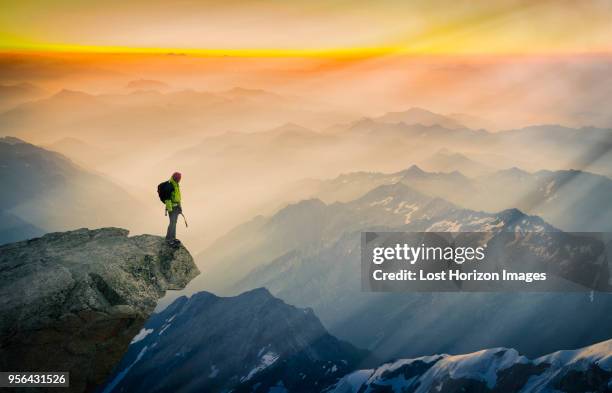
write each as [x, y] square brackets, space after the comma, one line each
[176, 176]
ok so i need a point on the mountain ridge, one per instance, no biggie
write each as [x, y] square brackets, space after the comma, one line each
[312, 260]
[495, 370]
[49, 191]
[249, 342]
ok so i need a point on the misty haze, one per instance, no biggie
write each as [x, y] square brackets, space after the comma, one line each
[288, 147]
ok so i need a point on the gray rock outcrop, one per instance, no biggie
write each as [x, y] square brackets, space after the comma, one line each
[73, 301]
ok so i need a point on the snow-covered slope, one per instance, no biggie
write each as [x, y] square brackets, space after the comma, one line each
[492, 370]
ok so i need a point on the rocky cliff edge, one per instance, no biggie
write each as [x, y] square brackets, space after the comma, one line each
[72, 301]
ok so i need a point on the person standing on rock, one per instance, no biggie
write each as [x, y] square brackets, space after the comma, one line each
[170, 193]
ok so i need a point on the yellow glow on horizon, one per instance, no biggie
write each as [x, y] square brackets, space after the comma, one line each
[204, 52]
[355, 52]
[269, 28]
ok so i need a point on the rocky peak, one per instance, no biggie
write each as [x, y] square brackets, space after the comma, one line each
[82, 295]
[245, 343]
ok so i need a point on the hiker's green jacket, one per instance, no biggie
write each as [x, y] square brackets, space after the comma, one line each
[175, 198]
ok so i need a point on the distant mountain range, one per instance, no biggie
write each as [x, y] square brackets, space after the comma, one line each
[308, 254]
[422, 117]
[12, 95]
[445, 160]
[425, 117]
[571, 200]
[380, 146]
[386, 142]
[97, 117]
[265, 165]
[147, 84]
[141, 137]
[44, 191]
[248, 343]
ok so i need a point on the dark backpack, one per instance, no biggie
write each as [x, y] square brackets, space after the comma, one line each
[164, 190]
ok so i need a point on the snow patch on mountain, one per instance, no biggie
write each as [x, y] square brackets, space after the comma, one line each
[214, 371]
[382, 202]
[353, 382]
[445, 226]
[266, 360]
[600, 354]
[111, 386]
[482, 365]
[141, 335]
[496, 369]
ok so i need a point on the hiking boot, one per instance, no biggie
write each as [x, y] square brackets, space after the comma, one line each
[175, 243]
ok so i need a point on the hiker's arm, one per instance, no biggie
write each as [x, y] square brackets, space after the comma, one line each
[168, 205]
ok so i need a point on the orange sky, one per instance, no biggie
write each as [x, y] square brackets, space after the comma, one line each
[477, 56]
[308, 28]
